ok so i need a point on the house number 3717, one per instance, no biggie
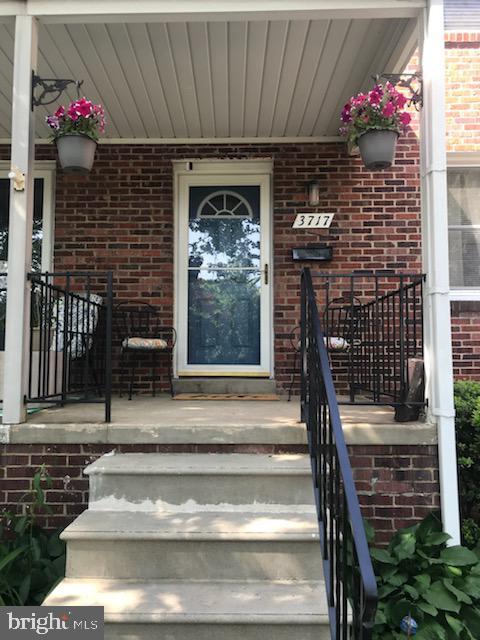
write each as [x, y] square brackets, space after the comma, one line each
[313, 220]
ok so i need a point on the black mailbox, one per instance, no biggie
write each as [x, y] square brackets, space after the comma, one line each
[313, 252]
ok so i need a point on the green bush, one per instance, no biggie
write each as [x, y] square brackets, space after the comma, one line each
[467, 426]
[32, 560]
[438, 586]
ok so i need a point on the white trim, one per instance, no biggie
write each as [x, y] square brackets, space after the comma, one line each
[437, 318]
[17, 318]
[46, 170]
[198, 141]
[187, 10]
[218, 173]
[458, 295]
[463, 159]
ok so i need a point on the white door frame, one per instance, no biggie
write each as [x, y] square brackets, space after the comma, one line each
[45, 170]
[197, 173]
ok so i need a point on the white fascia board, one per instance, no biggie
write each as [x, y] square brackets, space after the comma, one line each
[182, 10]
[13, 8]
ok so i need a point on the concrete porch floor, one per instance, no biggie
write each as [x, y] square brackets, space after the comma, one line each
[162, 420]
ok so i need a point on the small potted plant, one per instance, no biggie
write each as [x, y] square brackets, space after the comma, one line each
[373, 121]
[75, 131]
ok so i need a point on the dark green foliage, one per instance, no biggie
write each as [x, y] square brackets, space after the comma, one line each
[467, 425]
[32, 560]
[438, 586]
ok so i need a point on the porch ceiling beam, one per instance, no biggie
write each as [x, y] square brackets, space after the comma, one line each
[51, 11]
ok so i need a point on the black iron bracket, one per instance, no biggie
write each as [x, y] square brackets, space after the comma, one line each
[411, 81]
[49, 86]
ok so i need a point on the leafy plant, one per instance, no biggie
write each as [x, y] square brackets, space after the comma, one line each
[32, 560]
[380, 108]
[467, 426]
[438, 586]
[81, 117]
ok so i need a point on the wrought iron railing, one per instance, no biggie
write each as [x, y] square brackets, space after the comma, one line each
[70, 357]
[350, 581]
[373, 323]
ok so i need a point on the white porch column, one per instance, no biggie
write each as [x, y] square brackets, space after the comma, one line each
[438, 341]
[20, 223]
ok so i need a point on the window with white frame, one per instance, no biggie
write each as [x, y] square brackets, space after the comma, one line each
[464, 228]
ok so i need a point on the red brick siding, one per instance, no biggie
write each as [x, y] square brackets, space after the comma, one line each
[397, 485]
[462, 62]
[466, 340]
[120, 218]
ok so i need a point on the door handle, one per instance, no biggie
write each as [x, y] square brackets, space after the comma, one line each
[265, 272]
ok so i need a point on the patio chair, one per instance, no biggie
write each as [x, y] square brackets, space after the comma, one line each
[140, 333]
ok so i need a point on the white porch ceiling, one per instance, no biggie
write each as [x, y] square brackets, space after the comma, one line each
[204, 80]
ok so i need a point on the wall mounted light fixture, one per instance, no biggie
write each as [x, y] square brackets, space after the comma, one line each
[314, 193]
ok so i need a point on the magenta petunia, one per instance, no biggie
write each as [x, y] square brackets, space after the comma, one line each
[60, 112]
[388, 110]
[405, 118]
[374, 97]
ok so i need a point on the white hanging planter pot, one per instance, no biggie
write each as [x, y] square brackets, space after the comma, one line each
[377, 148]
[76, 153]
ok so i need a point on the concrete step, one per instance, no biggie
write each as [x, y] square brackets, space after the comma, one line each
[222, 610]
[236, 385]
[197, 546]
[189, 482]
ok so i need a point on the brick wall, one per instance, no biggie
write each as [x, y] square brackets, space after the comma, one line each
[397, 485]
[462, 61]
[120, 218]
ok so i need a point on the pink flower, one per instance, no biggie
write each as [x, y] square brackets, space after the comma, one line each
[374, 97]
[388, 110]
[405, 118]
[360, 99]
[60, 112]
[400, 100]
[52, 122]
[84, 107]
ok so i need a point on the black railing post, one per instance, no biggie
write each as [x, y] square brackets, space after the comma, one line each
[108, 349]
[403, 364]
[303, 343]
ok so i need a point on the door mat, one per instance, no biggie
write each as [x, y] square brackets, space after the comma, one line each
[226, 396]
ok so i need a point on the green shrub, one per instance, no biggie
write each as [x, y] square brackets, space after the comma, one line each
[438, 586]
[467, 426]
[32, 560]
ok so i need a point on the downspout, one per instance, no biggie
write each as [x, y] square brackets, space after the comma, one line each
[438, 339]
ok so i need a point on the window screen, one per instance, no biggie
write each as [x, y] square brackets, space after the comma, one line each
[464, 227]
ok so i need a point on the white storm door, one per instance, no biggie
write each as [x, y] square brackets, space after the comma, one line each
[224, 275]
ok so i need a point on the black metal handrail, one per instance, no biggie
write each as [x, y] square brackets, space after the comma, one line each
[379, 315]
[349, 578]
[70, 357]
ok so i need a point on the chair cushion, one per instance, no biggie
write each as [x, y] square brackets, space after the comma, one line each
[145, 344]
[334, 343]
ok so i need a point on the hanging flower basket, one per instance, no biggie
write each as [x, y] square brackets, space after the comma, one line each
[76, 153]
[377, 148]
[75, 131]
[373, 121]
